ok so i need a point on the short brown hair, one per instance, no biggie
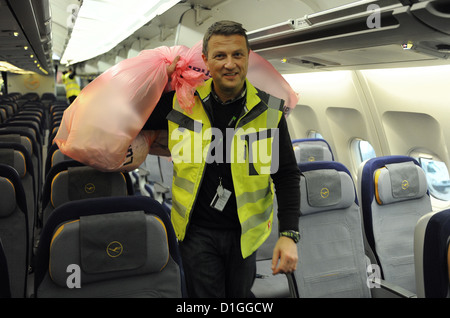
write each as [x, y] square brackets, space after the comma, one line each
[223, 28]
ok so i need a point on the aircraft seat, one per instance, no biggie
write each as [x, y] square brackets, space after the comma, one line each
[312, 149]
[5, 289]
[109, 247]
[432, 255]
[393, 198]
[267, 285]
[332, 262]
[70, 180]
[14, 231]
[17, 156]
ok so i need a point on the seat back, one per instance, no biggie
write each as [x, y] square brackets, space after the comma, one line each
[54, 156]
[5, 289]
[267, 285]
[312, 149]
[432, 255]
[71, 180]
[393, 198]
[14, 232]
[18, 157]
[109, 247]
[332, 262]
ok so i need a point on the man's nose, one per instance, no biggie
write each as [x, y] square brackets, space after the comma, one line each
[230, 64]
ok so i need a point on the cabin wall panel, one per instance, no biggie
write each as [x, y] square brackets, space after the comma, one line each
[411, 107]
[338, 103]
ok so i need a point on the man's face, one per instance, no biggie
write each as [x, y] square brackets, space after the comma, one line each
[227, 62]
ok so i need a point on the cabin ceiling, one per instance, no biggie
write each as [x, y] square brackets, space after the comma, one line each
[34, 33]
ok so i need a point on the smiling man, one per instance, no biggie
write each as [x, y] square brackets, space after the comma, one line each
[223, 209]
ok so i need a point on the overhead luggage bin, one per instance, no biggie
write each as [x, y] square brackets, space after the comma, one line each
[361, 34]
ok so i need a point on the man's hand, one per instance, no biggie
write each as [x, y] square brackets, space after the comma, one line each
[171, 67]
[285, 256]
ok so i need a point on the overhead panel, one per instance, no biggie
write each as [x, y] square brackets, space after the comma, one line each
[360, 33]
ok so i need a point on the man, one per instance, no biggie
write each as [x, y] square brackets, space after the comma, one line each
[72, 87]
[222, 198]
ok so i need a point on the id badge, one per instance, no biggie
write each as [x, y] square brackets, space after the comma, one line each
[221, 198]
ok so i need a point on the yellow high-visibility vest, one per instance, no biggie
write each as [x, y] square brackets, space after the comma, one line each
[252, 153]
[72, 87]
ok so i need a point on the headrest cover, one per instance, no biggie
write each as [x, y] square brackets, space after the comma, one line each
[122, 234]
[127, 243]
[324, 190]
[307, 152]
[85, 182]
[57, 157]
[15, 159]
[399, 182]
[7, 197]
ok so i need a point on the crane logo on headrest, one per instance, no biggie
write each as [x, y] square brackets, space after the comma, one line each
[405, 184]
[324, 193]
[312, 158]
[89, 188]
[114, 249]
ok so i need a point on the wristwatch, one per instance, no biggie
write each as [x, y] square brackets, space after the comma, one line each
[294, 235]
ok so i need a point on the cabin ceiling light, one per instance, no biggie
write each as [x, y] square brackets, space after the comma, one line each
[102, 24]
[7, 67]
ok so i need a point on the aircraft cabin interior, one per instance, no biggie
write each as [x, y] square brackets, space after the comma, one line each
[373, 85]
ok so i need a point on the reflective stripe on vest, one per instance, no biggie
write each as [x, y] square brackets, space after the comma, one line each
[190, 139]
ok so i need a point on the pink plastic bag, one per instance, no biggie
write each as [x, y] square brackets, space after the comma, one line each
[101, 123]
[99, 126]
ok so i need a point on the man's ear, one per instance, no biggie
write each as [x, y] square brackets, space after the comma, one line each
[205, 59]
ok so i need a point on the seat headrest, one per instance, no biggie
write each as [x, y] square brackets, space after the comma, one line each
[16, 138]
[109, 246]
[85, 182]
[7, 197]
[15, 159]
[308, 150]
[325, 190]
[57, 157]
[399, 182]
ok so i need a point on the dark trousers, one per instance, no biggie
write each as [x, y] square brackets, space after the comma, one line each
[72, 98]
[213, 264]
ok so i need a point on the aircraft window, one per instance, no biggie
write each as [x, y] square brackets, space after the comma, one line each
[362, 150]
[437, 177]
[314, 134]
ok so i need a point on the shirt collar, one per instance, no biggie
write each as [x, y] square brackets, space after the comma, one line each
[230, 101]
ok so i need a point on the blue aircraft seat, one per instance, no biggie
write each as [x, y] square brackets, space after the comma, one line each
[393, 197]
[332, 262]
[109, 247]
[17, 156]
[312, 149]
[5, 289]
[14, 232]
[432, 255]
[71, 180]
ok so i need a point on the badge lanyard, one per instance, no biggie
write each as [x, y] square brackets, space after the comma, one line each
[222, 194]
